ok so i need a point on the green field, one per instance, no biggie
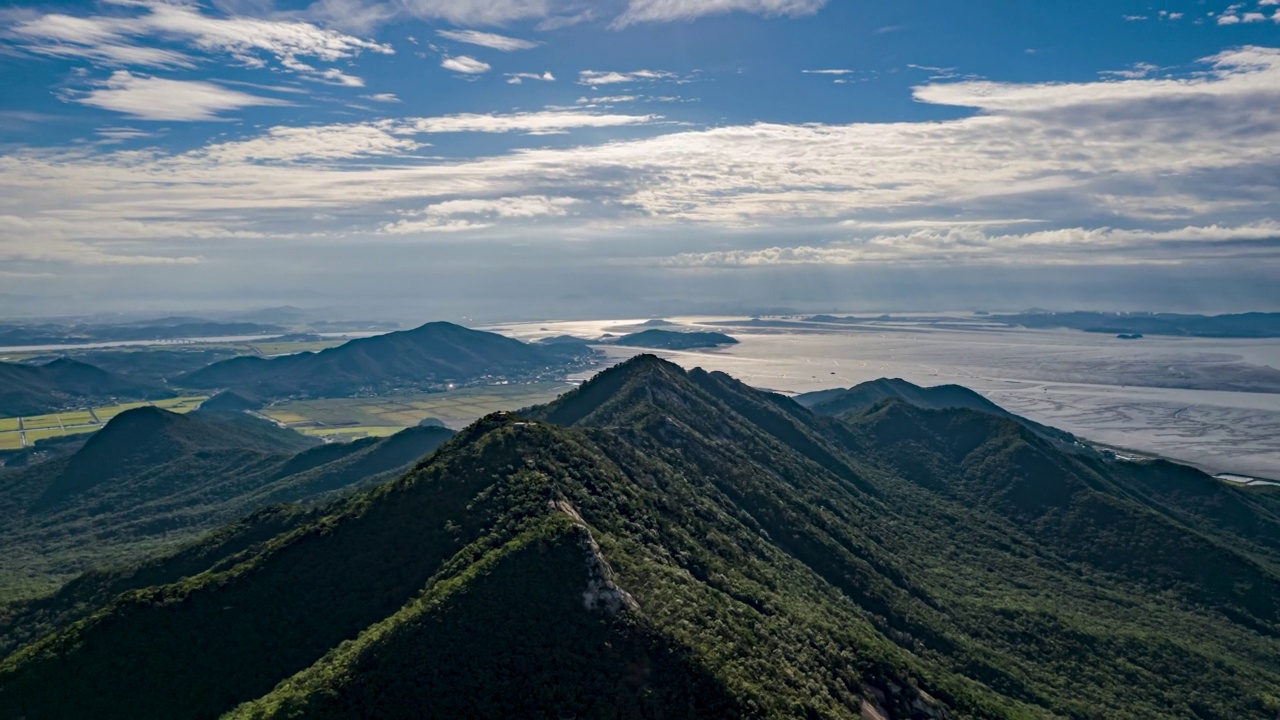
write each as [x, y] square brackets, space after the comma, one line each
[41, 427]
[40, 422]
[270, 349]
[338, 417]
[341, 419]
[347, 434]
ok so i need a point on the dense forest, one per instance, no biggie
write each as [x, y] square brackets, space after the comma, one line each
[663, 543]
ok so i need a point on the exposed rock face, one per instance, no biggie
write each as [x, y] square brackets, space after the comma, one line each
[886, 700]
[602, 593]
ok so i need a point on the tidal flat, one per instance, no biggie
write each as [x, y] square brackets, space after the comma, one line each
[1213, 403]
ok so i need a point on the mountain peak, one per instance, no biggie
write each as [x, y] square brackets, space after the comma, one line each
[133, 424]
[622, 387]
[66, 363]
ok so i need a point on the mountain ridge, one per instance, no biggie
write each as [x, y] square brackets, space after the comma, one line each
[424, 358]
[152, 477]
[891, 562]
[64, 383]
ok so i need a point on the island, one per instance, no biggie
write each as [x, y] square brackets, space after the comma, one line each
[672, 340]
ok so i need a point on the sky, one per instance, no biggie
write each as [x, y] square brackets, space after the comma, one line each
[514, 159]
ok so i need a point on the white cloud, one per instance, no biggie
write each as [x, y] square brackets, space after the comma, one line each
[596, 77]
[1152, 155]
[489, 40]
[324, 142]
[1249, 69]
[828, 72]
[668, 10]
[607, 99]
[1137, 71]
[1073, 245]
[113, 135]
[101, 40]
[151, 98]
[466, 65]
[475, 12]
[1253, 17]
[1228, 19]
[518, 78]
[552, 121]
[335, 76]
[382, 97]
[113, 40]
[479, 213]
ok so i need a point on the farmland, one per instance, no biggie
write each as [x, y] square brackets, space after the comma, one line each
[337, 419]
[16, 433]
[352, 418]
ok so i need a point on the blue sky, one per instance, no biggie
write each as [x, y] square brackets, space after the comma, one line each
[522, 157]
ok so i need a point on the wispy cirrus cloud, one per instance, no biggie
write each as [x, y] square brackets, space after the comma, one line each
[1074, 245]
[545, 122]
[487, 39]
[476, 12]
[129, 39]
[466, 65]
[598, 77]
[152, 98]
[478, 213]
[639, 11]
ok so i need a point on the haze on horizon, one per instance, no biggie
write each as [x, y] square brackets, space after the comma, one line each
[507, 159]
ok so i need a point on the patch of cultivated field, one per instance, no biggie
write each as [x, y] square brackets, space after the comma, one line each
[82, 417]
[109, 411]
[270, 349]
[456, 408]
[347, 434]
[72, 422]
[40, 422]
[179, 405]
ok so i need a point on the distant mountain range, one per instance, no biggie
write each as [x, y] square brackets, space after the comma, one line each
[674, 340]
[64, 383]
[161, 329]
[152, 478]
[1242, 325]
[663, 543]
[425, 358]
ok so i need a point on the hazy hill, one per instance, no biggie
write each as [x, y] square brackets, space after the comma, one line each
[862, 397]
[232, 401]
[675, 340]
[65, 383]
[151, 478]
[152, 364]
[422, 358]
[662, 543]
[161, 329]
[1241, 325]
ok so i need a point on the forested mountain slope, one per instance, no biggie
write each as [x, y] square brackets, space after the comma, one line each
[426, 357]
[152, 478]
[676, 544]
[65, 383]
